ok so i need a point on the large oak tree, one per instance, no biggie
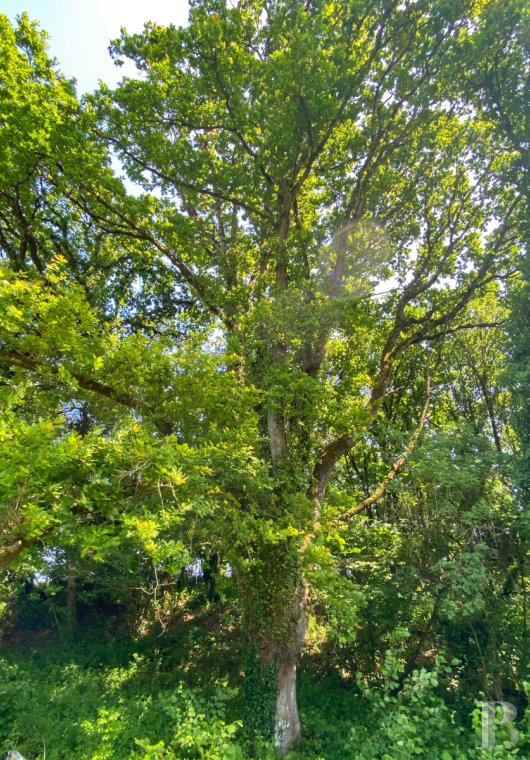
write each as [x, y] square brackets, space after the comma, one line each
[314, 204]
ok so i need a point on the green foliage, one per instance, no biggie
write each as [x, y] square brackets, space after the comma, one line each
[214, 376]
[258, 697]
[121, 700]
[197, 729]
[89, 709]
[411, 722]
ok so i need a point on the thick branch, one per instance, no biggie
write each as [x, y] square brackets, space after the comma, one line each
[333, 452]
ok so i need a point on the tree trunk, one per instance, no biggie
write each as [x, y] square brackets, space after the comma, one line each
[71, 601]
[275, 622]
[287, 726]
[210, 573]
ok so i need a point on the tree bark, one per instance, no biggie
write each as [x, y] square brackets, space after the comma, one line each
[277, 441]
[287, 726]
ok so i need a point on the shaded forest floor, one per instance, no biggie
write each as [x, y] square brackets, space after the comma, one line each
[109, 695]
[95, 696]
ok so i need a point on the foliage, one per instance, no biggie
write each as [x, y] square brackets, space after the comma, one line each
[118, 702]
[276, 376]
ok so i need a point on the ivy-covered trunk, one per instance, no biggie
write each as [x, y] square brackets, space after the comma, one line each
[275, 624]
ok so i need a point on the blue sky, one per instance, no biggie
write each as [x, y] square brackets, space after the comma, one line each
[80, 30]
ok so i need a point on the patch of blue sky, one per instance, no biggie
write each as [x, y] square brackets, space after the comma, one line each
[80, 31]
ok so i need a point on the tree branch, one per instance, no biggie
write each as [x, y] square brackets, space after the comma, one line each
[332, 453]
[86, 383]
[10, 553]
[132, 229]
[178, 182]
[396, 465]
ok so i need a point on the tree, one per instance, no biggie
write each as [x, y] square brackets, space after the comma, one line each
[317, 207]
[499, 84]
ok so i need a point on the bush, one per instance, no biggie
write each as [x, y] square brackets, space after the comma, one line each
[198, 728]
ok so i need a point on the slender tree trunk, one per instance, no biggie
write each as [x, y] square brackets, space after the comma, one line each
[71, 601]
[210, 573]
